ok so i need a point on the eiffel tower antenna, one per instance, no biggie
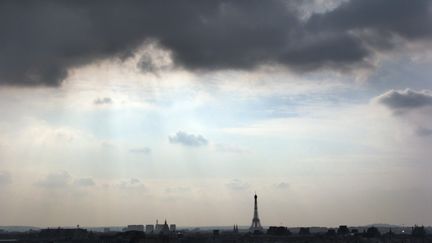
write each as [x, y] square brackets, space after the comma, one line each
[256, 224]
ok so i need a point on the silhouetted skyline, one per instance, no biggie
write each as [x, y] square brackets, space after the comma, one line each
[123, 112]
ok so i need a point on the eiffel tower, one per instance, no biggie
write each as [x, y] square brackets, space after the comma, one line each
[256, 225]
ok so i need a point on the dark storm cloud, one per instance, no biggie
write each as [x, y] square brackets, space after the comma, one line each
[405, 99]
[188, 139]
[409, 19]
[41, 41]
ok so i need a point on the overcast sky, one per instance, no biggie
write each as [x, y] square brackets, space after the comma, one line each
[124, 112]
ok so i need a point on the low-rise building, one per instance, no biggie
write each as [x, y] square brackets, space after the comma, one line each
[134, 227]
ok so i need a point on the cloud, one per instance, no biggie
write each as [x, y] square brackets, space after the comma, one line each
[237, 185]
[41, 42]
[5, 178]
[132, 183]
[409, 20]
[102, 101]
[424, 132]
[188, 139]
[142, 150]
[405, 99]
[55, 180]
[282, 185]
[155, 59]
[85, 182]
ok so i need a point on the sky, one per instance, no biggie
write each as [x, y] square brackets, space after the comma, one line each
[124, 112]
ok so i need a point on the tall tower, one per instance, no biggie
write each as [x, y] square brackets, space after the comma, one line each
[256, 225]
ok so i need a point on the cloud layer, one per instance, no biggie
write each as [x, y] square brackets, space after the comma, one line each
[39, 43]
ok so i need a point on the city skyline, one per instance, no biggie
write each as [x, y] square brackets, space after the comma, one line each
[122, 112]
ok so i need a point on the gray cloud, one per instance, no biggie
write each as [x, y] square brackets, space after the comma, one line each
[405, 99]
[408, 19]
[237, 185]
[39, 43]
[424, 132]
[282, 185]
[143, 150]
[55, 180]
[188, 139]
[5, 178]
[132, 184]
[155, 61]
[102, 101]
[85, 182]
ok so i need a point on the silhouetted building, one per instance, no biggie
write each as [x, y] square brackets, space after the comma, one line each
[128, 236]
[372, 232]
[389, 234]
[331, 232]
[278, 230]
[158, 227]
[343, 230]
[165, 230]
[149, 228]
[172, 227]
[256, 224]
[304, 231]
[60, 233]
[106, 230]
[235, 229]
[418, 231]
[134, 227]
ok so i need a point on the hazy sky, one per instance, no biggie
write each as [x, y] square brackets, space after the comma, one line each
[124, 112]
